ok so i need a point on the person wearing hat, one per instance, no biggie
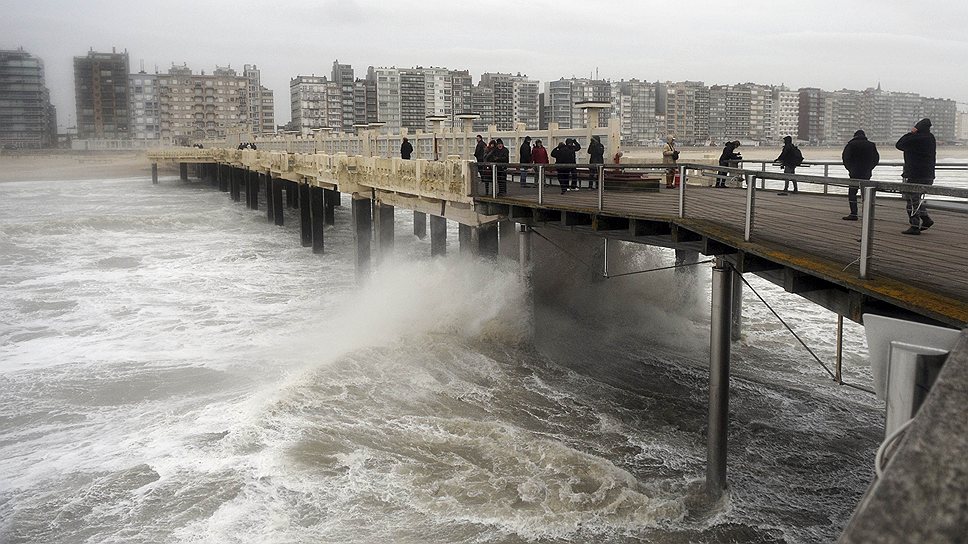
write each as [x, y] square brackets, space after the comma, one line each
[524, 157]
[789, 160]
[406, 149]
[670, 156]
[860, 156]
[596, 155]
[920, 153]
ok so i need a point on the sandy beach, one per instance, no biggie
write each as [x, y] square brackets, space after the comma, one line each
[66, 166]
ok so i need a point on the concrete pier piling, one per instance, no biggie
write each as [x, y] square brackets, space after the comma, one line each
[183, 171]
[277, 213]
[719, 343]
[154, 173]
[317, 215]
[330, 201]
[524, 251]
[236, 192]
[479, 241]
[438, 235]
[254, 189]
[420, 225]
[383, 217]
[270, 207]
[306, 220]
[223, 178]
[736, 320]
[362, 234]
[508, 238]
[290, 193]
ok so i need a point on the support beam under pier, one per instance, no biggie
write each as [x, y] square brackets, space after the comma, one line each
[270, 206]
[481, 240]
[154, 173]
[224, 172]
[420, 225]
[277, 213]
[317, 209]
[330, 201]
[438, 235]
[384, 229]
[722, 296]
[183, 171]
[736, 321]
[362, 234]
[306, 220]
[253, 191]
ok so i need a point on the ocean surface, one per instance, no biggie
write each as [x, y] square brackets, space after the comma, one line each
[175, 369]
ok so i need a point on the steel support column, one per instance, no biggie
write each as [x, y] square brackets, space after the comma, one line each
[362, 234]
[305, 217]
[438, 235]
[318, 215]
[722, 279]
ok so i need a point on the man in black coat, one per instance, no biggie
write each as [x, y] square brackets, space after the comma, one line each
[501, 155]
[406, 149]
[596, 155]
[860, 156]
[920, 153]
[524, 157]
[728, 158]
[564, 154]
[788, 161]
[479, 150]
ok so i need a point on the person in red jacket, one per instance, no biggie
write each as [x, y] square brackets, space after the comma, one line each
[539, 154]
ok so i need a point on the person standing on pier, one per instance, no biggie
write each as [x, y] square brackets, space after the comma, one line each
[596, 155]
[860, 156]
[728, 159]
[920, 153]
[503, 156]
[479, 149]
[406, 150]
[789, 159]
[670, 155]
[539, 155]
[524, 157]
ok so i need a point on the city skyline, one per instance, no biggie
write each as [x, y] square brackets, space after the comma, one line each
[856, 49]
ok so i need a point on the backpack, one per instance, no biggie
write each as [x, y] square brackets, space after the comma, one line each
[797, 157]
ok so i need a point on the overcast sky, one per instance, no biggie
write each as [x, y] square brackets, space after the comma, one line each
[913, 46]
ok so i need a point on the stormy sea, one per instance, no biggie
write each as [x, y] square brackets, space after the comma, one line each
[173, 368]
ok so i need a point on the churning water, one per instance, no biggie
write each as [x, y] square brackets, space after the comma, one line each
[175, 369]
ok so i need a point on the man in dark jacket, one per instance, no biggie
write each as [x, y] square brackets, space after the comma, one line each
[860, 156]
[479, 150]
[729, 159]
[406, 149]
[501, 155]
[596, 155]
[564, 154]
[524, 157]
[920, 152]
[788, 161]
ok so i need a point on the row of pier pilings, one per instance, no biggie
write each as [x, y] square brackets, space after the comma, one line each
[373, 221]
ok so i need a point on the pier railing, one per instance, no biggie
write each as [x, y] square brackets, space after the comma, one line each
[757, 209]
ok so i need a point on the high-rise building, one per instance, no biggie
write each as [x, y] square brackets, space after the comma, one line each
[144, 111]
[943, 114]
[27, 119]
[262, 119]
[482, 101]
[786, 114]
[515, 99]
[687, 112]
[961, 126]
[562, 95]
[462, 87]
[413, 99]
[813, 115]
[729, 113]
[342, 76]
[364, 102]
[761, 112]
[195, 106]
[101, 95]
[317, 103]
[846, 116]
[387, 81]
[634, 103]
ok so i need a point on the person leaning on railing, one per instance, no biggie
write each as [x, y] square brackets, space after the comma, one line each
[920, 154]
[596, 155]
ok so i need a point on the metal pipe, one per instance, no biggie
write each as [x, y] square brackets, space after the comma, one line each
[826, 174]
[718, 379]
[605, 259]
[867, 232]
[736, 313]
[750, 206]
[601, 187]
[524, 251]
[494, 180]
[840, 348]
[682, 191]
[541, 182]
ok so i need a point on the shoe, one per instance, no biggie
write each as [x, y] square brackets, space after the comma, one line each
[850, 217]
[926, 223]
[911, 230]
[781, 194]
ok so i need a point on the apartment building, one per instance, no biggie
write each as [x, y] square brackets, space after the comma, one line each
[262, 119]
[27, 118]
[196, 106]
[316, 104]
[144, 106]
[687, 112]
[101, 95]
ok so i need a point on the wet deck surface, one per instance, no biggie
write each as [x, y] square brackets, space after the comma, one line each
[926, 273]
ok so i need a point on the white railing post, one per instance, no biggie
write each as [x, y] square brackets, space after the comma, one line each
[601, 187]
[750, 205]
[541, 181]
[867, 232]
